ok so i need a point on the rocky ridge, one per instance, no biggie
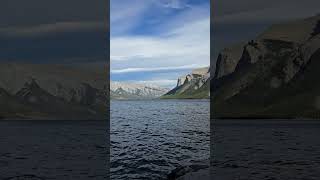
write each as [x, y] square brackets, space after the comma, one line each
[123, 90]
[42, 91]
[272, 75]
[192, 86]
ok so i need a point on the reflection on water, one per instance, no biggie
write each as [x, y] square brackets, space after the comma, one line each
[153, 137]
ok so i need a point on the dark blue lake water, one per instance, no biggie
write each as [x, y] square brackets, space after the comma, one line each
[151, 138]
[55, 150]
[266, 149]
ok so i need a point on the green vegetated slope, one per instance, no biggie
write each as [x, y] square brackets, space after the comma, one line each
[201, 93]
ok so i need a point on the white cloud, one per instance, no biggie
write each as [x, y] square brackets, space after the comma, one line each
[186, 45]
[155, 69]
[175, 4]
[125, 14]
[173, 45]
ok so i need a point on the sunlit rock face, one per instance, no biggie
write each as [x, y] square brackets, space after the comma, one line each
[193, 85]
[260, 77]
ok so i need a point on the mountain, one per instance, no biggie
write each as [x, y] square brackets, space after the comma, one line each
[195, 85]
[122, 90]
[273, 76]
[48, 91]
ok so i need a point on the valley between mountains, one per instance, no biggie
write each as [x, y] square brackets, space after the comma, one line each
[274, 75]
[191, 86]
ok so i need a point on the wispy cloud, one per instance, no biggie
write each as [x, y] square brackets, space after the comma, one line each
[175, 4]
[178, 39]
[268, 9]
[267, 15]
[59, 27]
[156, 69]
[187, 45]
[53, 31]
[126, 14]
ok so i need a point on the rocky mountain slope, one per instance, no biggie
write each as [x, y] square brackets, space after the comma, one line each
[192, 86]
[122, 90]
[48, 91]
[274, 76]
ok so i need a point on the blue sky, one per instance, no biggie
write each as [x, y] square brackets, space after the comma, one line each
[156, 41]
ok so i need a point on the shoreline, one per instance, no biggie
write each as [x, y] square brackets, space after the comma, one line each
[160, 99]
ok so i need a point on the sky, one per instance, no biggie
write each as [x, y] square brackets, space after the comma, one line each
[59, 31]
[235, 21]
[157, 41]
[152, 41]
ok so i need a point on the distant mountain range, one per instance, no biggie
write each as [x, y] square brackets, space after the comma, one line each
[195, 85]
[124, 90]
[273, 76]
[48, 91]
[191, 86]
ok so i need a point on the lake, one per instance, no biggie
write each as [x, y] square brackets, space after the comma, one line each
[265, 149]
[40, 149]
[150, 138]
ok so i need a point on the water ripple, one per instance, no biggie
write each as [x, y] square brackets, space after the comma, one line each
[149, 139]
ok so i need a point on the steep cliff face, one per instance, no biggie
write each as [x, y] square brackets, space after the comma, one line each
[267, 74]
[193, 85]
[122, 90]
[228, 59]
[40, 91]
